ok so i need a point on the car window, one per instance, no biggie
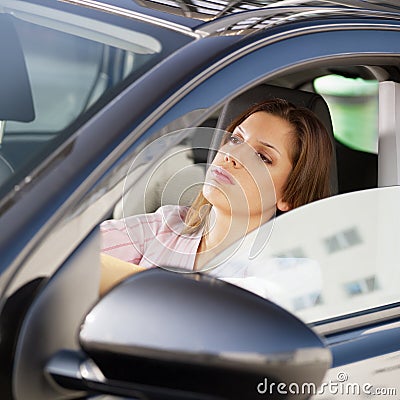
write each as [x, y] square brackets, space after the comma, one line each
[66, 76]
[353, 103]
[328, 258]
[71, 66]
[332, 257]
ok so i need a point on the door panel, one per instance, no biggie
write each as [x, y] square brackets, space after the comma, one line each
[52, 322]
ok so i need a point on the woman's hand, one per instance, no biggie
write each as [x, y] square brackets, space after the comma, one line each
[113, 271]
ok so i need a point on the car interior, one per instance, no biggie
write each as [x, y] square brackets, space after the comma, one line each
[353, 169]
[360, 231]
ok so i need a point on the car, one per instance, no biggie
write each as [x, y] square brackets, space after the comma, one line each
[111, 108]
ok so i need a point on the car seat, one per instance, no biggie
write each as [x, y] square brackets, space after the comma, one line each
[173, 179]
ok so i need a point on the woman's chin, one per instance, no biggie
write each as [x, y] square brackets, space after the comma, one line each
[214, 193]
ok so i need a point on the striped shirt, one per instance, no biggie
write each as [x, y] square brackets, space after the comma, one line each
[151, 240]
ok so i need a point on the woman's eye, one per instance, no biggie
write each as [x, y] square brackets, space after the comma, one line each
[234, 139]
[264, 158]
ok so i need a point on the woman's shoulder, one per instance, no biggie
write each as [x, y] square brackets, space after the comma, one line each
[168, 214]
[171, 215]
[168, 217]
[173, 210]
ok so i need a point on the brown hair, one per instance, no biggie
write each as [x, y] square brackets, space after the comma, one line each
[311, 157]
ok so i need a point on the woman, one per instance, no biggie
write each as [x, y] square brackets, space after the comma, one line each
[275, 157]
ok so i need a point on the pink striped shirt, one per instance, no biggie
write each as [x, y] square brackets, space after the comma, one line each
[153, 239]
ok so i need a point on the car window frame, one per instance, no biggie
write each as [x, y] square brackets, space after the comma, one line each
[201, 96]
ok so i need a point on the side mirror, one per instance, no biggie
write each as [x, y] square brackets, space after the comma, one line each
[162, 335]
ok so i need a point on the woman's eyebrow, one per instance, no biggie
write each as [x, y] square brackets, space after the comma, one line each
[241, 130]
[269, 145]
[266, 144]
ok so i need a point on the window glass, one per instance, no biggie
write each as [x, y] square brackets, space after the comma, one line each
[64, 71]
[328, 258]
[353, 103]
[71, 66]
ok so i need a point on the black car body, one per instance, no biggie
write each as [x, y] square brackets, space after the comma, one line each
[86, 86]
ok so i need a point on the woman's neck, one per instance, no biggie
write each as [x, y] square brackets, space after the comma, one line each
[221, 230]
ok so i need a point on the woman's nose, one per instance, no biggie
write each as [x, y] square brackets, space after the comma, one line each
[228, 158]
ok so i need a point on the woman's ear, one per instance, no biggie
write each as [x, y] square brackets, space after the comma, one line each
[283, 205]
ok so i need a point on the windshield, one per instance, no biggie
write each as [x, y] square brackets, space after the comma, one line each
[58, 68]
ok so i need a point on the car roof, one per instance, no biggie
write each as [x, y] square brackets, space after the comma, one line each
[208, 10]
[229, 17]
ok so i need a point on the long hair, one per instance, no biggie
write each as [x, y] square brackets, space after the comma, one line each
[311, 156]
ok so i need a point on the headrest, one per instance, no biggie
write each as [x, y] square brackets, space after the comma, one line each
[299, 98]
[16, 103]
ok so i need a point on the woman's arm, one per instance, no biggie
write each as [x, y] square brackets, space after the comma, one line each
[114, 270]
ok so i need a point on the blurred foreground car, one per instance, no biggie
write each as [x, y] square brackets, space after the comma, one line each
[86, 86]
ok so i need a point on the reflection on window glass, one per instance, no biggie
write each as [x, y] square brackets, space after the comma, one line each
[310, 300]
[343, 240]
[66, 65]
[354, 109]
[68, 73]
[352, 243]
[297, 252]
[362, 286]
[62, 70]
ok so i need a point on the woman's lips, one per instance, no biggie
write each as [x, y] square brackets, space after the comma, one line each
[221, 175]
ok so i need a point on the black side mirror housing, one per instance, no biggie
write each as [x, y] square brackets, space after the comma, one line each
[165, 334]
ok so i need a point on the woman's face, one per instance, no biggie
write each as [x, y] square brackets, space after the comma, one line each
[250, 170]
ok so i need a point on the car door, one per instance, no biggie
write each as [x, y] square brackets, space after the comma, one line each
[191, 105]
[61, 68]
